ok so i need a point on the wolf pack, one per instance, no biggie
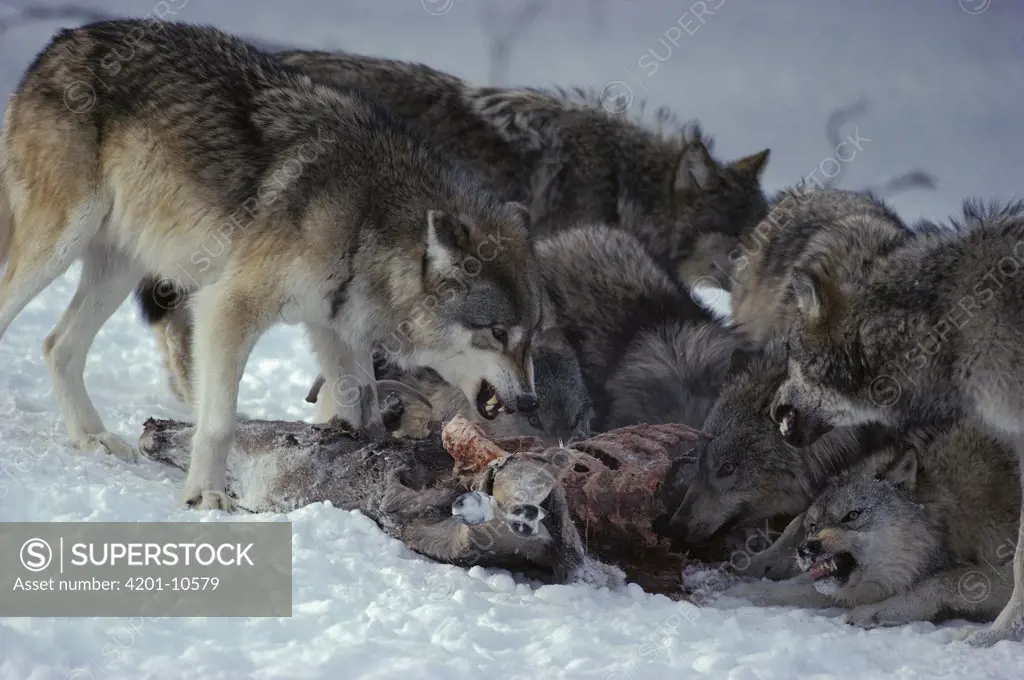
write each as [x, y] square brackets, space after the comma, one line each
[532, 261]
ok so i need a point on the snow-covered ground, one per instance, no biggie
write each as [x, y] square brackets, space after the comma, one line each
[945, 91]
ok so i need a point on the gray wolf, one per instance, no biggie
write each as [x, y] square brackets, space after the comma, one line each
[648, 352]
[933, 335]
[844, 231]
[565, 154]
[572, 158]
[921, 531]
[746, 474]
[176, 151]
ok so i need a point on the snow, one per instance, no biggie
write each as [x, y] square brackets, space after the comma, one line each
[945, 91]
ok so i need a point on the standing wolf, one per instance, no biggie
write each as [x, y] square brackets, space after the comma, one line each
[571, 157]
[934, 335]
[845, 231]
[923, 530]
[145, 147]
[566, 155]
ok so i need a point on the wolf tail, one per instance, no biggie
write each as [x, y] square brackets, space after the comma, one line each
[673, 374]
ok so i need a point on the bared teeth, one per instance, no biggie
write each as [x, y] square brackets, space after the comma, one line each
[787, 424]
[493, 401]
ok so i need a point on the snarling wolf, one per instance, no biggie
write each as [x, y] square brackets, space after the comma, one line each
[567, 155]
[746, 474]
[844, 231]
[649, 353]
[157, 148]
[573, 157]
[924, 530]
[934, 335]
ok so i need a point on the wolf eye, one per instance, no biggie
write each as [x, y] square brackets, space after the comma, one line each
[812, 527]
[726, 469]
[500, 334]
[851, 516]
[535, 421]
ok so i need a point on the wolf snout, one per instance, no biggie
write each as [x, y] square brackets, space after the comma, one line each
[809, 549]
[527, 403]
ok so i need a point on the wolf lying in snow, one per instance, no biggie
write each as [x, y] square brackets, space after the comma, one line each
[923, 530]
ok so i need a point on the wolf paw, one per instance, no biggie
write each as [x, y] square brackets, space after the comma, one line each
[870, 616]
[210, 500]
[111, 444]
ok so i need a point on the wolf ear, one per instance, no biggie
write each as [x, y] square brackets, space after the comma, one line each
[739, 360]
[811, 292]
[903, 473]
[521, 214]
[752, 165]
[446, 238]
[697, 170]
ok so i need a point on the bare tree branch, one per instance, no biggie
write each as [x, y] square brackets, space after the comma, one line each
[503, 39]
[833, 131]
[908, 181]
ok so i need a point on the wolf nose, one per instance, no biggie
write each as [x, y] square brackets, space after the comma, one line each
[526, 403]
[809, 548]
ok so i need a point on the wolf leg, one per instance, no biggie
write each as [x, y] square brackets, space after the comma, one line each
[227, 325]
[795, 592]
[44, 250]
[975, 592]
[348, 374]
[1009, 625]
[107, 279]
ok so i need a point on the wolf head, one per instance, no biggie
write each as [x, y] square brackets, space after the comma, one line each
[838, 353]
[868, 535]
[481, 307]
[713, 204]
[746, 473]
[564, 411]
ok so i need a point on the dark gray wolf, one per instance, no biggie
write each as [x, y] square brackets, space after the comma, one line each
[147, 147]
[572, 158]
[844, 231]
[746, 474]
[921, 531]
[648, 352]
[934, 335]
